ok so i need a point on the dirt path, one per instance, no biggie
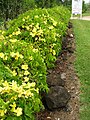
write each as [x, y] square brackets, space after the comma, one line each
[65, 67]
[86, 18]
[83, 18]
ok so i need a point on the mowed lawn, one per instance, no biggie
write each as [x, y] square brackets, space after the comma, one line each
[82, 64]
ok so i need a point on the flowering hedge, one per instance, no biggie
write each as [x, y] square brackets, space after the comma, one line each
[29, 46]
[44, 30]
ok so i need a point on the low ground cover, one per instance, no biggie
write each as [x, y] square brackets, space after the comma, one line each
[82, 64]
[29, 46]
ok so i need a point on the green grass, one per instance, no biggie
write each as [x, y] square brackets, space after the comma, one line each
[87, 13]
[82, 64]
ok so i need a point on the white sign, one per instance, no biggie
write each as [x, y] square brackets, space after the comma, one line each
[76, 6]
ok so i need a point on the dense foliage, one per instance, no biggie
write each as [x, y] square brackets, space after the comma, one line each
[29, 46]
[10, 9]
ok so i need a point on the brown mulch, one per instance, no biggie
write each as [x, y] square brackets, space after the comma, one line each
[65, 66]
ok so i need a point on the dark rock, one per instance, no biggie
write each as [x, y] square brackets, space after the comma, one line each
[54, 80]
[57, 97]
[70, 25]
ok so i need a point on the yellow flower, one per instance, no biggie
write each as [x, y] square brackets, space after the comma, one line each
[34, 30]
[1, 89]
[20, 91]
[32, 34]
[27, 27]
[45, 22]
[1, 37]
[12, 54]
[26, 73]
[30, 58]
[54, 23]
[26, 79]
[37, 25]
[16, 55]
[54, 53]
[21, 56]
[14, 86]
[40, 31]
[36, 16]
[23, 19]
[35, 50]
[32, 84]
[13, 97]
[25, 67]
[2, 112]
[13, 33]
[1, 55]
[37, 90]
[51, 50]
[10, 35]
[23, 26]
[3, 32]
[13, 107]
[17, 32]
[14, 73]
[5, 58]
[29, 85]
[28, 93]
[51, 27]
[5, 43]
[5, 84]
[27, 17]
[13, 40]
[18, 111]
[36, 38]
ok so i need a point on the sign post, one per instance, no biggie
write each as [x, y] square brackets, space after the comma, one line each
[77, 7]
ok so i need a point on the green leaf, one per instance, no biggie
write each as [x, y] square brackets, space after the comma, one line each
[13, 118]
[28, 110]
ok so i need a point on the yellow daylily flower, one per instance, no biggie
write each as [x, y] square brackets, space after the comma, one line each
[26, 79]
[54, 23]
[12, 54]
[21, 56]
[30, 58]
[2, 112]
[36, 16]
[51, 27]
[27, 27]
[1, 55]
[25, 67]
[32, 34]
[1, 37]
[17, 32]
[14, 86]
[14, 73]
[54, 53]
[26, 73]
[10, 35]
[18, 111]
[16, 55]
[13, 40]
[13, 107]
[5, 58]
